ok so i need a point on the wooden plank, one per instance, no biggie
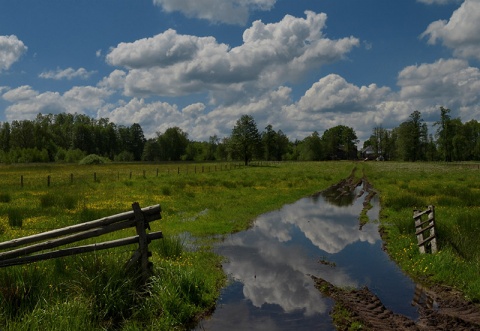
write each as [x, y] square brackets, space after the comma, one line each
[419, 224]
[428, 227]
[424, 241]
[78, 250]
[66, 240]
[421, 213]
[134, 259]
[151, 213]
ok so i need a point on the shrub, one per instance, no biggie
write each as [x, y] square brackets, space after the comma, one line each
[125, 157]
[94, 159]
[74, 155]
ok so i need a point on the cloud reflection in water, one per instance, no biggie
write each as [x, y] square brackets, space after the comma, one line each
[273, 260]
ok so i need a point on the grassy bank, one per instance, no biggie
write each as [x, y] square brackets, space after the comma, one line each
[454, 190]
[93, 292]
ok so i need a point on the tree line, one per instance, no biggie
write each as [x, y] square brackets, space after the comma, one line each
[71, 137]
[452, 140]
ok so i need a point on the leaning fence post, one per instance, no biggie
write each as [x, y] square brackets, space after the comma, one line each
[424, 226]
[146, 266]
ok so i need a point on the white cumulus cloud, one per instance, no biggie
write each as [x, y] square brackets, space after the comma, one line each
[438, 2]
[27, 102]
[234, 12]
[68, 74]
[171, 64]
[11, 49]
[461, 33]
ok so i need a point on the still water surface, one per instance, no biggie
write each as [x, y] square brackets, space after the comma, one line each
[270, 264]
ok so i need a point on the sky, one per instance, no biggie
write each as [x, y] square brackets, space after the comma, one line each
[298, 65]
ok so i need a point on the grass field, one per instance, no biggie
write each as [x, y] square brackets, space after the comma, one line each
[200, 204]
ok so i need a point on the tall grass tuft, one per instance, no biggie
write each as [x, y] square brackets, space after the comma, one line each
[463, 235]
[405, 200]
[15, 217]
[59, 199]
[5, 197]
[20, 291]
[111, 291]
[170, 247]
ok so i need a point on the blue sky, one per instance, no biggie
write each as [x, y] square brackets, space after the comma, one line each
[301, 66]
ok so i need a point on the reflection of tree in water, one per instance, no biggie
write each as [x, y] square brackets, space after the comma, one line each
[339, 196]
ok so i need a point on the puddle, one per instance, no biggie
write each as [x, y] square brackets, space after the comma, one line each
[269, 267]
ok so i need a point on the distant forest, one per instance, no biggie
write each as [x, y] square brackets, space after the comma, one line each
[71, 137]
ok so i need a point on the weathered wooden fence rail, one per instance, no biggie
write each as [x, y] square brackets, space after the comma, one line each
[430, 242]
[15, 252]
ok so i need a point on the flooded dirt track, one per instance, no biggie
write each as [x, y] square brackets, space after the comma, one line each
[445, 311]
[289, 269]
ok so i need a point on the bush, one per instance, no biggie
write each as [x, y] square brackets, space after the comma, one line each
[74, 155]
[94, 159]
[125, 157]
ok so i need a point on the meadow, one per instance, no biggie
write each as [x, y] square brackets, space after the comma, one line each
[200, 204]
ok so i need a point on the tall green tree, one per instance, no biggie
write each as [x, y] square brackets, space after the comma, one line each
[245, 140]
[137, 141]
[275, 144]
[445, 134]
[412, 139]
[382, 142]
[310, 148]
[173, 144]
[5, 136]
[340, 142]
[22, 134]
[471, 131]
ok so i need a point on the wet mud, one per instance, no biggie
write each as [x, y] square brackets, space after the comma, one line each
[440, 309]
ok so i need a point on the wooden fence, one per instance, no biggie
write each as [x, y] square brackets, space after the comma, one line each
[429, 243]
[50, 180]
[15, 252]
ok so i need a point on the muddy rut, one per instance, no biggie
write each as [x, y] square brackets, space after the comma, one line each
[443, 310]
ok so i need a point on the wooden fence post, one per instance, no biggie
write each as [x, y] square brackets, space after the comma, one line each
[146, 266]
[423, 226]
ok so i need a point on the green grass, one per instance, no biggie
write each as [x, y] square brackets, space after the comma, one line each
[93, 291]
